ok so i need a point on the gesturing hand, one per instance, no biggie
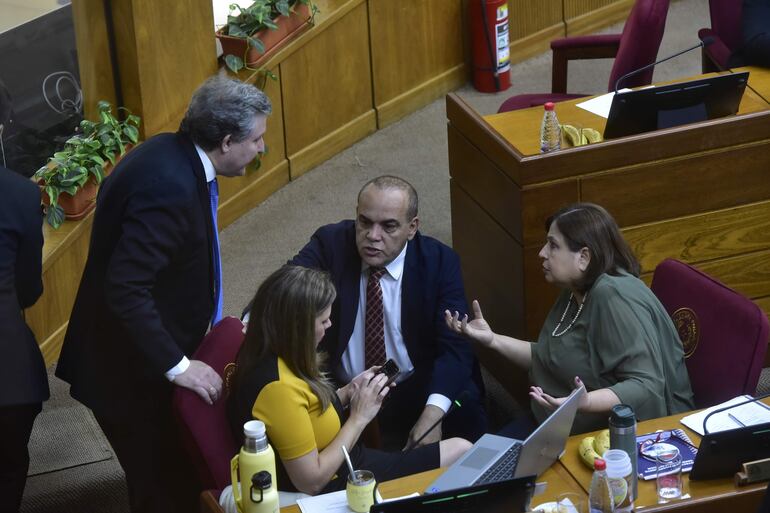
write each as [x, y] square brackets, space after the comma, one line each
[551, 403]
[477, 329]
[201, 379]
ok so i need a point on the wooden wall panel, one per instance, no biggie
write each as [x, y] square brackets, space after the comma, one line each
[64, 258]
[539, 295]
[588, 16]
[417, 51]
[94, 64]
[327, 93]
[526, 18]
[165, 50]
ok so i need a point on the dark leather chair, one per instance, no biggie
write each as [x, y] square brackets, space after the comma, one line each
[205, 430]
[726, 31]
[635, 47]
[724, 334]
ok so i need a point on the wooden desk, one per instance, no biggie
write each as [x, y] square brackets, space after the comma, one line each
[558, 481]
[699, 193]
[715, 495]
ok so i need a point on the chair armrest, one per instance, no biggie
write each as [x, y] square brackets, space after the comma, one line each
[565, 49]
[717, 52]
[209, 504]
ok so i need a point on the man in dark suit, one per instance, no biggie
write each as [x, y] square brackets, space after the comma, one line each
[23, 380]
[151, 288]
[755, 35]
[393, 285]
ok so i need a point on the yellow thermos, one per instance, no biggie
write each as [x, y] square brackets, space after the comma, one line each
[254, 468]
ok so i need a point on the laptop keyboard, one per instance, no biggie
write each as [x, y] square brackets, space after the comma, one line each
[503, 468]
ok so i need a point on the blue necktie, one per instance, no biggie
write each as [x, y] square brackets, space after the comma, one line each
[214, 200]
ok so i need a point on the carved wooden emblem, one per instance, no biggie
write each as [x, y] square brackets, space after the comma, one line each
[228, 373]
[686, 323]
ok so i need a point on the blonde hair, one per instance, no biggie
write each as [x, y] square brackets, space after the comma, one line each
[282, 322]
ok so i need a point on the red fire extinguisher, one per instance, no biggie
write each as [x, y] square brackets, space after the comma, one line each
[490, 49]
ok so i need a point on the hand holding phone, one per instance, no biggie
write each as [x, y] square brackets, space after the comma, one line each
[391, 370]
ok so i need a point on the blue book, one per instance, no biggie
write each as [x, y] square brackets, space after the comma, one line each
[646, 466]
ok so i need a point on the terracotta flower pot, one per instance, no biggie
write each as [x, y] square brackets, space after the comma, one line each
[77, 206]
[288, 27]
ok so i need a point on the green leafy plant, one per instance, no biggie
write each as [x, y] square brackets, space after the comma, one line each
[84, 157]
[245, 22]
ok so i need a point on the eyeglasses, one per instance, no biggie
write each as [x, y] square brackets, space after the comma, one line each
[662, 436]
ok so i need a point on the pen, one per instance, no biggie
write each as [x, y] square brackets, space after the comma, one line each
[736, 420]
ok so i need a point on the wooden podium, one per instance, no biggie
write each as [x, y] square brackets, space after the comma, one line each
[699, 193]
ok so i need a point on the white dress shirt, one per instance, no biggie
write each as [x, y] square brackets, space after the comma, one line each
[211, 174]
[395, 348]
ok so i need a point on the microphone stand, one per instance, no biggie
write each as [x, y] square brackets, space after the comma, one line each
[618, 81]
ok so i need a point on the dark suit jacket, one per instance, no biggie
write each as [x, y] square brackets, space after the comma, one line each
[23, 378]
[432, 283]
[146, 295]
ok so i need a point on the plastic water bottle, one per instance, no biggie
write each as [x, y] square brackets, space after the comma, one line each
[550, 131]
[619, 473]
[600, 498]
[623, 436]
[252, 471]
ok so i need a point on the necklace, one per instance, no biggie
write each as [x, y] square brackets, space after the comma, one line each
[577, 314]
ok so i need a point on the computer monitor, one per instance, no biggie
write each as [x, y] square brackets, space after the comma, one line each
[644, 110]
[721, 454]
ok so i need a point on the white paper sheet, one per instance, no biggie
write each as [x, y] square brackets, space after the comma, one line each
[600, 105]
[745, 415]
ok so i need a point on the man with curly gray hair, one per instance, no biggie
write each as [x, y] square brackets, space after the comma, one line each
[152, 287]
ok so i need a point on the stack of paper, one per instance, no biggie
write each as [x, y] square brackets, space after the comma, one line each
[748, 414]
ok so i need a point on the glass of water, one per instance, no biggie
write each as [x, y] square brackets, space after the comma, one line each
[669, 472]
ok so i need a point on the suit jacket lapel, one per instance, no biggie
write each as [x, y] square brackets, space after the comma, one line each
[411, 285]
[348, 294]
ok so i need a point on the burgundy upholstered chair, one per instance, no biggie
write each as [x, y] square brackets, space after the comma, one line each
[636, 47]
[204, 429]
[724, 333]
[726, 30]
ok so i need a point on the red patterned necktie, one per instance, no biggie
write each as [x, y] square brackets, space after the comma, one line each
[374, 327]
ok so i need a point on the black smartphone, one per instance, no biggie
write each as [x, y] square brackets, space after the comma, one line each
[391, 370]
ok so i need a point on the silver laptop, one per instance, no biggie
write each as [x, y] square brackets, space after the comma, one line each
[495, 458]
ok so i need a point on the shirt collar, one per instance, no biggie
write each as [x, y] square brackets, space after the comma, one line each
[396, 267]
[208, 167]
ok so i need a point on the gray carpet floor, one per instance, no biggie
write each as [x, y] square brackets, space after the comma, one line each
[262, 240]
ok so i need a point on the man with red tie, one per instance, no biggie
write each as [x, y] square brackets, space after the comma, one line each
[393, 285]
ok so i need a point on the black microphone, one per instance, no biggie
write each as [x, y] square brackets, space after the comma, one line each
[457, 403]
[704, 43]
[747, 401]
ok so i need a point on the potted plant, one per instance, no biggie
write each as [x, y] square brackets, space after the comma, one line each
[70, 180]
[252, 33]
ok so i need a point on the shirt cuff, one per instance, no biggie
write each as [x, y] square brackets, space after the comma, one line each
[177, 369]
[439, 401]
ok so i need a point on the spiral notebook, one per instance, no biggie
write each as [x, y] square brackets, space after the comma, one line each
[646, 466]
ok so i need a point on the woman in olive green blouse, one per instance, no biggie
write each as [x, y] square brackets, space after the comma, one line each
[606, 330]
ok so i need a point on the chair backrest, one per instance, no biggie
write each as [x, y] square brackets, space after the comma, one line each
[724, 334]
[204, 429]
[726, 21]
[639, 42]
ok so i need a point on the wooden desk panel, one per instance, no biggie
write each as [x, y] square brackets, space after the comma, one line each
[558, 481]
[706, 183]
[715, 495]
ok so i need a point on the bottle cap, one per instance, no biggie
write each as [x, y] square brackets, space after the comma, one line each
[548, 106]
[622, 416]
[262, 479]
[254, 429]
[599, 464]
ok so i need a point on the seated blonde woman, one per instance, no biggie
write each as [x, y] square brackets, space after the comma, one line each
[278, 380]
[606, 330]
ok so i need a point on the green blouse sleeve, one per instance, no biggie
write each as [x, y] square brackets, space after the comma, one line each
[621, 336]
